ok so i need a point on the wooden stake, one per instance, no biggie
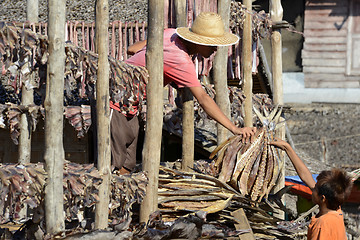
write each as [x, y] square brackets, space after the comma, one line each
[154, 90]
[188, 103]
[276, 14]
[27, 95]
[54, 109]
[243, 223]
[188, 131]
[247, 63]
[220, 73]
[103, 113]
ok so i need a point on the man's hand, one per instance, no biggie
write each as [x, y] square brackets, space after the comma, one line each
[246, 132]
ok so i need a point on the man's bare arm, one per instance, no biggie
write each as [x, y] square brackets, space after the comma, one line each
[212, 109]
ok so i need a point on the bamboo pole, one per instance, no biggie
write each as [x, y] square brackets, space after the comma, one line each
[188, 103]
[54, 108]
[103, 113]
[247, 63]
[276, 14]
[27, 95]
[220, 73]
[152, 144]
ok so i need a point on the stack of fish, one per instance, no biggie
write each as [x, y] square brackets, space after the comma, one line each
[20, 184]
[251, 167]
[182, 194]
[23, 185]
[125, 191]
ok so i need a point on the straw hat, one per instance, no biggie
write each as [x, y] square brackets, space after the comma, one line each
[208, 30]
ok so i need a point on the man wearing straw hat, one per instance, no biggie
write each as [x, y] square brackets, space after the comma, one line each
[206, 33]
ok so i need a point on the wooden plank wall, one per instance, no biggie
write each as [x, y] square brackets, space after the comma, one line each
[324, 53]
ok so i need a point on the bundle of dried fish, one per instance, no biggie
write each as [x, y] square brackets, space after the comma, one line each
[79, 117]
[22, 185]
[182, 194]
[125, 191]
[80, 184]
[12, 112]
[252, 168]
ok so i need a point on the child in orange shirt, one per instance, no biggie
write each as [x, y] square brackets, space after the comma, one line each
[329, 192]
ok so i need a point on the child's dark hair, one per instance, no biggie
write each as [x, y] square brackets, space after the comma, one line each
[335, 185]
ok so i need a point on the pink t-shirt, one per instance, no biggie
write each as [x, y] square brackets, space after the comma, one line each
[178, 66]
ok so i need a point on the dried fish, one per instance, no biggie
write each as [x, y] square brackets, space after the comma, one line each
[257, 164]
[21, 184]
[24, 52]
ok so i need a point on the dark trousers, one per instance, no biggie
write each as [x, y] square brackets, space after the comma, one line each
[124, 137]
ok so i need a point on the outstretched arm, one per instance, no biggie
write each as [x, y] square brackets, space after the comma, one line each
[300, 167]
[212, 109]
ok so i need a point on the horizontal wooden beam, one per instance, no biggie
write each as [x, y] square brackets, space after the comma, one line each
[323, 55]
[324, 18]
[325, 40]
[79, 24]
[321, 62]
[325, 69]
[324, 25]
[324, 47]
[308, 32]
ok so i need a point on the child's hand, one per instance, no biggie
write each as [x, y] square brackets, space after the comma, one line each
[280, 143]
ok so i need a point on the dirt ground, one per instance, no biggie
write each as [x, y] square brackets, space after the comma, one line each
[325, 135]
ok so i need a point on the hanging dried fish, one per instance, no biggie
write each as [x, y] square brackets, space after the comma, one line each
[23, 52]
[22, 184]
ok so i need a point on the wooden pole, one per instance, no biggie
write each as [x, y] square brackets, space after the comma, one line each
[154, 89]
[54, 109]
[247, 63]
[188, 103]
[27, 95]
[220, 73]
[276, 14]
[103, 113]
